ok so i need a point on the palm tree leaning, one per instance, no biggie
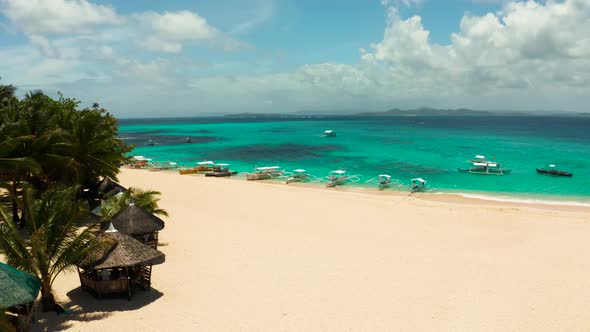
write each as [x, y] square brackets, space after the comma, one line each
[54, 241]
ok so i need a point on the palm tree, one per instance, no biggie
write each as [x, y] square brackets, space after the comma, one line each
[54, 241]
[145, 199]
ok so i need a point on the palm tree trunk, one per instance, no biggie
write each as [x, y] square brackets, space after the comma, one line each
[47, 299]
[14, 193]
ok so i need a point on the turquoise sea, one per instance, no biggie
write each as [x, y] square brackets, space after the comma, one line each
[431, 147]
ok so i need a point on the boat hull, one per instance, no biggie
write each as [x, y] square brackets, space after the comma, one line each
[554, 172]
[220, 174]
[482, 172]
[257, 176]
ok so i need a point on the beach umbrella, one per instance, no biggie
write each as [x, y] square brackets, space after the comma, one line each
[17, 287]
[121, 250]
[134, 220]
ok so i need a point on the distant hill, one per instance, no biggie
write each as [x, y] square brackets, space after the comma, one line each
[425, 111]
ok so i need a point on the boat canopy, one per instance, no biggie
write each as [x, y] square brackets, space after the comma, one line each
[552, 166]
[222, 165]
[385, 176]
[267, 168]
[338, 171]
[328, 131]
[299, 170]
[419, 180]
[208, 162]
[480, 157]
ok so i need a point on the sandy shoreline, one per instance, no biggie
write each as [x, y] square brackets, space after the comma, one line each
[244, 256]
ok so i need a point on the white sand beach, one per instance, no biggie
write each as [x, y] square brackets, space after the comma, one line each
[243, 256]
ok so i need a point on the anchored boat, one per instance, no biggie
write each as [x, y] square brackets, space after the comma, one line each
[339, 177]
[202, 167]
[264, 173]
[480, 165]
[552, 170]
[418, 184]
[221, 170]
[298, 175]
[329, 133]
[383, 180]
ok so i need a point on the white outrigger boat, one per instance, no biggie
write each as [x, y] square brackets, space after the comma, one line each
[339, 177]
[418, 184]
[383, 180]
[263, 173]
[298, 175]
[480, 165]
[329, 133]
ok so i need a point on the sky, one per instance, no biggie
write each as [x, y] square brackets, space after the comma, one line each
[156, 58]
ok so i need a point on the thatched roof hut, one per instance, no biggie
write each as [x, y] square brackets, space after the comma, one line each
[17, 287]
[137, 222]
[120, 265]
[108, 187]
[121, 250]
[18, 292]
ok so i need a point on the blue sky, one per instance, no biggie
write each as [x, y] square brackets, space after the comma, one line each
[184, 58]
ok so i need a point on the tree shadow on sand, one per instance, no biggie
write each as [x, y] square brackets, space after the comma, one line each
[84, 307]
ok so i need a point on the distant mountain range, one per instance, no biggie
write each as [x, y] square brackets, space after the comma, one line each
[408, 112]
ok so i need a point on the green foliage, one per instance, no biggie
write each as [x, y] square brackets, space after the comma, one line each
[46, 142]
[53, 240]
[145, 199]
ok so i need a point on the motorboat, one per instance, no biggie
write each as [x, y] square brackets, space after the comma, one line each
[481, 165]
[552, 170]
[418, 184]
[264, 173]
[221, 170]
[383, 180]
[298, 175]
[329, 133]
[201, 167]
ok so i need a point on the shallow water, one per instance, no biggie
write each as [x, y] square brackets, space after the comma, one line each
[431, 147]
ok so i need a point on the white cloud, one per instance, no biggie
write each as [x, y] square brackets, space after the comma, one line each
[528, 55]
[167, 32]
[42, 17]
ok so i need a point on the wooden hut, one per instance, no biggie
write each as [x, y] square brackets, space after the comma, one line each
[18, 292]
[122, 265]
[137, 222]
[108, 188]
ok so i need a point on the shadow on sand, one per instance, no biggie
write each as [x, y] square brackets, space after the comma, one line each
[85, 307]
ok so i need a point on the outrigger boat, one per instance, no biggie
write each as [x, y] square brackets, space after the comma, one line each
[164, 166]
[383, 180]
[552, 170]
[329, 133]
[483, 166]
[340, 177]
[221, 170]
[418, 184]
[298, 175]
[202, 167]
[139, 162]
[264, 173]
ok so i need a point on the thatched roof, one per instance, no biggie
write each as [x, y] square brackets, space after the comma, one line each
[17, 287]
[108, 187]
[135, 220]
[121, 250]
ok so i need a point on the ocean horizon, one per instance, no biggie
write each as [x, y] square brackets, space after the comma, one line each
[405, 147]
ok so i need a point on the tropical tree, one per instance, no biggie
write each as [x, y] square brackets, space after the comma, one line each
[145, 199]
[54, 240]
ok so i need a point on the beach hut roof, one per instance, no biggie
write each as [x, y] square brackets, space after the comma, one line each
[17, 287]
[135, 220]
[121, 250]
[110, 187]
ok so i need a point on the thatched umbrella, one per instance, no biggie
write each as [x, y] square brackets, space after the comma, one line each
[137, 222]
[108, 187]
[17, 287]
[121, 250]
